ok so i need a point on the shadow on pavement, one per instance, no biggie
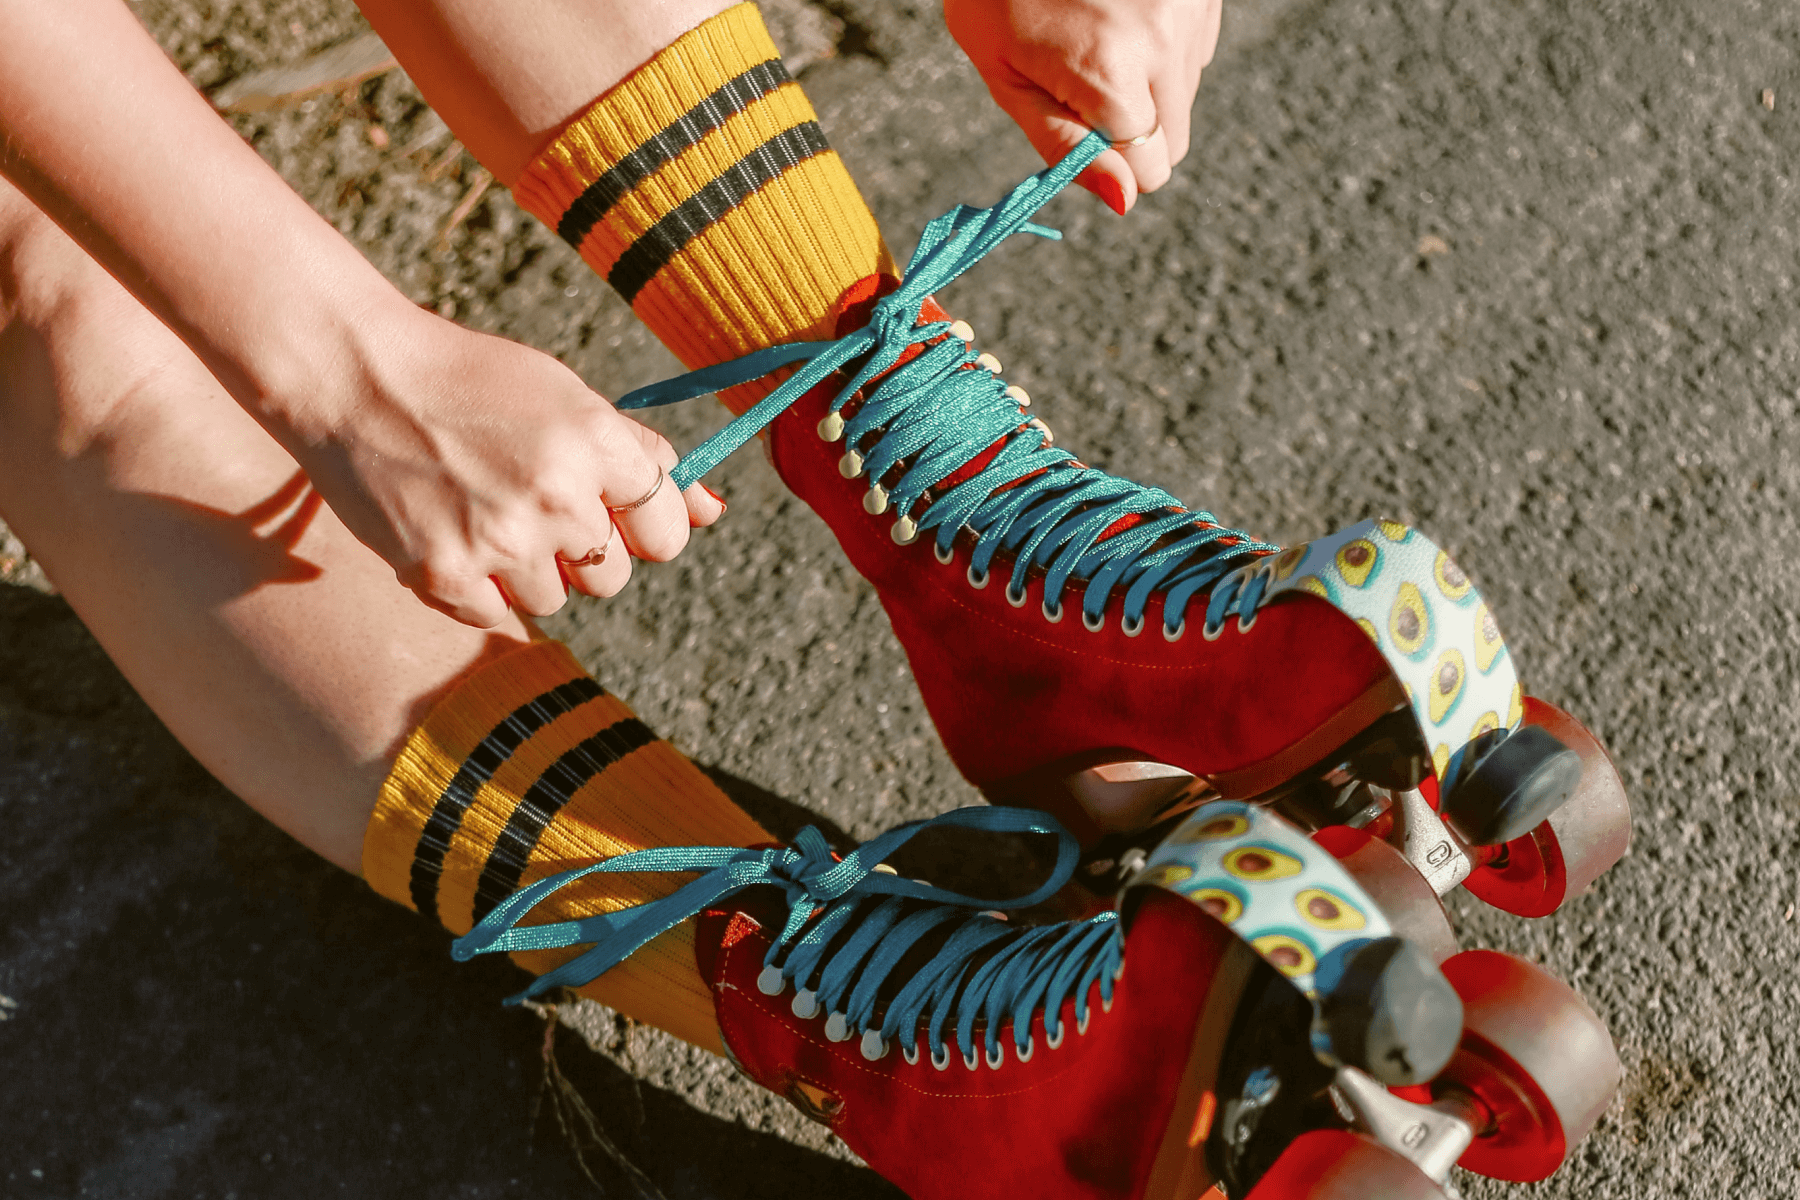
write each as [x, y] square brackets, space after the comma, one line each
[195, 1005]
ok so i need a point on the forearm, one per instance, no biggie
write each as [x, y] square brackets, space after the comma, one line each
[104, 134]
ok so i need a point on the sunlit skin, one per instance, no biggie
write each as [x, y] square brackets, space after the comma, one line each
[294, 507]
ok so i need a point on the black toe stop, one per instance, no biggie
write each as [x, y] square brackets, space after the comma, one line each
[1390, 1012]
[1512, 787]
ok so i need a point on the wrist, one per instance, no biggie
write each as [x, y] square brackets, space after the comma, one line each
[307, 365]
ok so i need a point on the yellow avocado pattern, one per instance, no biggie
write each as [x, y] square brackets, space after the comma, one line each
[1275, 888]
[1425, 616]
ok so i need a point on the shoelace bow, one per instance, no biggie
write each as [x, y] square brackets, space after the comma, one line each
[939, 410]
[848, 928]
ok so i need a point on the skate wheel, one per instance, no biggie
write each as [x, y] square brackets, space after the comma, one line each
[1405, 899]
[1535, 1055]
[1335, 1164]
[1579, 841]
[1512, 788]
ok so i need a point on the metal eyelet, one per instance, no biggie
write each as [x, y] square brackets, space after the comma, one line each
[972, 1060]
[1128, 629]
[905, 531]
[944, 556]
[770, 981]
[1211, 633]
[874, 1046]
[1245, 625]
[962, 331]
[990, 362]
[1105, 1003]
[942, 1064]
[975, 583]
[851, 465]
[910, 1054]
[1017, 600]
[996, 1058]
[1019, 396]
[1081, 1021]
[1094, 625]
[1024, 1055]
[831, 427]
[1055, 1040]
[805, 1005]
[837, 1027]
[875, 500]
[1176, 635]
[1050, 617]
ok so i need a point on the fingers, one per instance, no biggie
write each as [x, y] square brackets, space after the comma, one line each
[704, 506]
[475, 601]
[1128, 68]
[1054, 129]
[600, 570]
[651, 516]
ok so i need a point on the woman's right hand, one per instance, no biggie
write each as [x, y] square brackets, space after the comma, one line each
[483, 471]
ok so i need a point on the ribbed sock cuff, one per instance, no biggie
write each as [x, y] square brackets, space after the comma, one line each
[703, 190]
[527, 768]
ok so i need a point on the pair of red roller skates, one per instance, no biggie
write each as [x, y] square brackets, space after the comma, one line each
[1275, 761]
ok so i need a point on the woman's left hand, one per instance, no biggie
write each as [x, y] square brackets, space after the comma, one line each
[1126, 67]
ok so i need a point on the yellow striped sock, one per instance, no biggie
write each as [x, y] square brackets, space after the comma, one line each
[528, 768]
[702, 189]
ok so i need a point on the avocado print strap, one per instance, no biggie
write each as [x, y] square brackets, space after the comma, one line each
[1271, 885]
[1422, 613]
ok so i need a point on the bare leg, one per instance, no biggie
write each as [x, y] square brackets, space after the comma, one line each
[280, 651]
[508, 77]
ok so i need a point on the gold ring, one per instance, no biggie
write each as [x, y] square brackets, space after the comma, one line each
[1134, 143]
[643, 499]
[592, 558]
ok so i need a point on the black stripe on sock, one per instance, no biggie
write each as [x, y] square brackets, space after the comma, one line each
[543, 800]
[689, 219]
[733, 97]
[493, 750]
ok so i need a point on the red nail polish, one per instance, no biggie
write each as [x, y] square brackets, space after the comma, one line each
[722, 505]
[1113, 192]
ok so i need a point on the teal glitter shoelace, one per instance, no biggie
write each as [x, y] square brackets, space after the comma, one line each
[937, 412]
[849, 926]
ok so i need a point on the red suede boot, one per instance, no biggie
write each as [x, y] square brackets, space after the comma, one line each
[1247, 992]
[1060, 619]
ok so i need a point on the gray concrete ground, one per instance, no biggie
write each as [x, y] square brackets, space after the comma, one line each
[1519, 271]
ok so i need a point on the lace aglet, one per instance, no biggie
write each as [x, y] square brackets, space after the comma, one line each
[1043, 231]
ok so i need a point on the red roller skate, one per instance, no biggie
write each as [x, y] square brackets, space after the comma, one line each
[1092, 646]
[1240, 1017]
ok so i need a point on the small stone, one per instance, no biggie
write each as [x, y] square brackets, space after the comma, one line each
[1768, 99]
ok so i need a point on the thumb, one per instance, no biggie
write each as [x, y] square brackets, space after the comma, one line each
[1054, 129]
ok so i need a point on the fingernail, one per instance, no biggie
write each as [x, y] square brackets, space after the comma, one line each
[722, 505]
[1112, 192]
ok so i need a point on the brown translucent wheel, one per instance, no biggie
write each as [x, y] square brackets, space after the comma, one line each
[1335, 1164]
[1535, 1056]
[1396, 886]
[1590, 832]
